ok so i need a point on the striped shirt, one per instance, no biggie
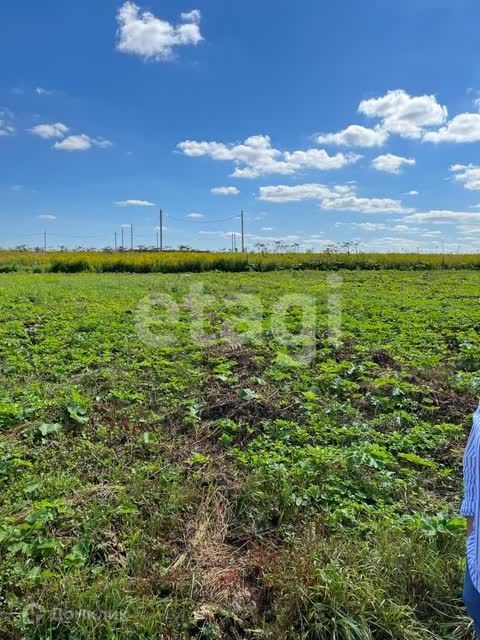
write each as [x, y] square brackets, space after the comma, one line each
[471, 501]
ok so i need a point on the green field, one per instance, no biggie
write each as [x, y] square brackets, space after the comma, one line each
[174, 489]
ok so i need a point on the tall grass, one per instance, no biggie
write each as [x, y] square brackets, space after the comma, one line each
[397, 586]
[176, 261]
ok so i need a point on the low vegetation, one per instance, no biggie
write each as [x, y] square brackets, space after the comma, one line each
[183, 491]
[191, 261]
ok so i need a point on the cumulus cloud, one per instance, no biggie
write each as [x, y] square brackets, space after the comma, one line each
[339, 197]
[47, 216]
[443, 217]
[295, 193]
[81, 142]
[370, 226]
[463, 128]
[7, 127]
[192, 16]
[413, 192]
[256, 157]
[134, 203]
[225, 191]
[48, 131]
[468, 175]
[403, 114]
[356, 136]
[195, 215]
[391, 163]
[144, 34]
[364, 205]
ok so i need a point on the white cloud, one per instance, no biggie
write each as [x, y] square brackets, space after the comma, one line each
[443, 217]
[356, 136]
[81, 142]
[467, 229]
[48, 131]
[412, 193]
[7, 127]
[463, 128]
[40, 91]
[134, 203]
[74, 143]
[405, 115]
[374, 226]
[364, 205]
[391, 163]
[318, 159]
[296, 193]
[47, 216]
[370, 226]
[468, 174]
[266, 229]
[256, 157]
[192, 16]
[339, 197]
[142, 33]
[195, 215]
[225, 191]
[101, 143]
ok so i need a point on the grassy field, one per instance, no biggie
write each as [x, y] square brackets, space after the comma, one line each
[178, 262]
[174, 490]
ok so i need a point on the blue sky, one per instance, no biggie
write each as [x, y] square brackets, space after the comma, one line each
[325, 121]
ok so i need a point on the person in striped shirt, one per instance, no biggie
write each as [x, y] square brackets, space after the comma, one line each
[471, 511]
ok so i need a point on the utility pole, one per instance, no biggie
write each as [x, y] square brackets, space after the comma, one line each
[45, 241]
[121, 248]
[115, 241]
[131, 237]
[161, 230]
[232, 242]
[243, 234]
